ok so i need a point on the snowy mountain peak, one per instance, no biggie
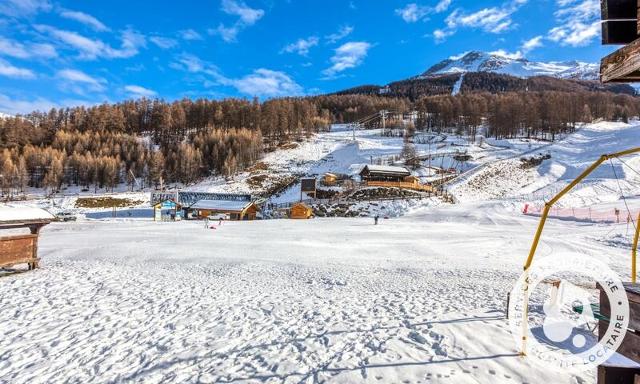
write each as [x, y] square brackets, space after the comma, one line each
[514, 65]
[5, 116]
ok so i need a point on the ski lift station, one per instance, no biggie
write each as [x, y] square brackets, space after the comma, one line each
[201, 205]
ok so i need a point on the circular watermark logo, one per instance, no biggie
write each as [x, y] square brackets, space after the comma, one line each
[556, 324]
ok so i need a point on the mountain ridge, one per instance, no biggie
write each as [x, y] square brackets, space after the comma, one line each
[495, 73]
[497, 62]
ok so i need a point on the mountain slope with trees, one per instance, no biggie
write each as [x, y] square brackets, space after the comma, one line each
[154, 141]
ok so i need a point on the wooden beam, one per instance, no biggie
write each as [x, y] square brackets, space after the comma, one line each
[619, 21]
[622, 65]
[619, 9]
[619, 32]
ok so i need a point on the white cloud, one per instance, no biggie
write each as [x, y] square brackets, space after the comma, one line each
[163, 42]
[302, 46]
[579, 22]
[91, 49]
[228, 34]
[24, 8]
[21, 51]
[442, 6]
[441, 35]
[343, 32]
[491, 20]
[193, 64]
[267, 83]
[46, 51]
[509, 55]
[80, 82]
[261, 82]
[348, 55]
[531, 44]
[139, 92]
[8, 70]
[190, 34]
[85, 19]
[412, 12]
[15, 106]
[12, 106]
[247, 17]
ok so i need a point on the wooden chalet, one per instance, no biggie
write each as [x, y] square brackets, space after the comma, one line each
[384, 173]
[236, 209]
[412, 179]
[300, 211]
[22, 227]
[620, 26]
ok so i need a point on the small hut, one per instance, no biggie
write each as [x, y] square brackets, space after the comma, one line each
[301, 211]
[170, 208]
[236, 210]
[22, 225]
[330, 179]
[385, 173]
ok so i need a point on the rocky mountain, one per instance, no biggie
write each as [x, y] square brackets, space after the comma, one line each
[496, 73]
[476, 61]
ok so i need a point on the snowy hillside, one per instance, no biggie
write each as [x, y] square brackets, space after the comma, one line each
[336, 152]
[4, 115]
[520, 67]
[508, 179]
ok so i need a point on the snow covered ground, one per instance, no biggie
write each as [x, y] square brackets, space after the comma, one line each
[417, 299]
[570, 156]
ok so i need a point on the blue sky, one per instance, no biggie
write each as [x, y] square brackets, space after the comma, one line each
[61, 53]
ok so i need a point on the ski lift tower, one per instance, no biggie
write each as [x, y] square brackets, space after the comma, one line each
[383, 116]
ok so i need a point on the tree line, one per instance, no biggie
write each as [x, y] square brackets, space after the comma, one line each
[149, 142]
[540, 115]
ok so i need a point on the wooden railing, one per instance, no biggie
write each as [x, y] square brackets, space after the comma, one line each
[397, 184]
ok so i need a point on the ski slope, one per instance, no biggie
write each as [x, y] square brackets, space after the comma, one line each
[505, 179]
[417, 299]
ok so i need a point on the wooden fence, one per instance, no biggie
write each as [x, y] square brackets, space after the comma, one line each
[392, 184]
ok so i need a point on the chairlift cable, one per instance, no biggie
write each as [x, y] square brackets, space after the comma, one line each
[628, 166]
[622, 193]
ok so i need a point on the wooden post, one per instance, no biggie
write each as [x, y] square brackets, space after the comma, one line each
[35, 230]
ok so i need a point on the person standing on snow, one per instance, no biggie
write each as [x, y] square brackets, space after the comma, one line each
[375, 219]
[206, 222]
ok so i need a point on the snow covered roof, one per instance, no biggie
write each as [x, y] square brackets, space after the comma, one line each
[222, 205]
[386, 169]
[23, 214]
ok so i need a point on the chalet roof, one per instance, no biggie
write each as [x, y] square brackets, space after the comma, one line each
[24, 215]
[188, 198]
[222, 205]
[386, 169]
